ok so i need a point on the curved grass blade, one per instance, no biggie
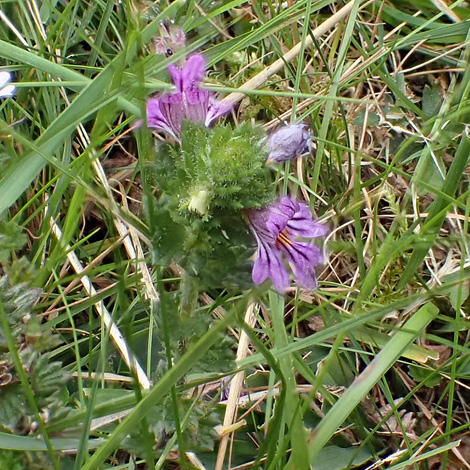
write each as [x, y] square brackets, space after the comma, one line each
[369, 377]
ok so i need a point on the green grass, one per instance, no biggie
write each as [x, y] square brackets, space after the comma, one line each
[368, 371]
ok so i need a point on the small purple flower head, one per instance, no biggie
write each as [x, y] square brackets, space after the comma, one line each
[172, 39]
[226, 385]
[276, 228]
[166, 112]
[6, 91]
[289, 142]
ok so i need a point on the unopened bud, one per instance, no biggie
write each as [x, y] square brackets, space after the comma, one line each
[199, 202]
[289, 142]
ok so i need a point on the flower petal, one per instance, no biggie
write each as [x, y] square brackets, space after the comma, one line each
[276, 224]
[5, 77]
[305, 228]
[275, 228]
[157, 115]
[176, 75]
[301, 223]
[192, 73]
[269, 264]
[215, 110]
[288, 206]
[172, 109]
[195, 105]
[7, 91]
[303, 257]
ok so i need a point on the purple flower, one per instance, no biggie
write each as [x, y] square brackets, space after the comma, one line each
[6, 91]
[172, 39]
[166, 112]
[226, 384]
[276, 228]
[289, 142]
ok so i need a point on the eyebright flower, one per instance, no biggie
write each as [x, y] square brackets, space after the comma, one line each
[276, 228]
[289, 142]
[166, 112]
[6, 91]
[225, 385]
[172, 39]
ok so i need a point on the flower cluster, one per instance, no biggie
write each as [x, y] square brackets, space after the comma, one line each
[225, 168]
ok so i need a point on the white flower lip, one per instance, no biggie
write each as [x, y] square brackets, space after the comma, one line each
[6, 91]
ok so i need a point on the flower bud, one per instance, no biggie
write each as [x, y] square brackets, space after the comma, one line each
[289, 142]
[171, 40]
[199, 202]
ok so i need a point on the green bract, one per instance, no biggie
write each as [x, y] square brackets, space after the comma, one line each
[216, 168]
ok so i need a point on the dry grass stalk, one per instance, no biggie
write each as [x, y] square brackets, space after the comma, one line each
[236, 386]
[268, 72]
[114, 331]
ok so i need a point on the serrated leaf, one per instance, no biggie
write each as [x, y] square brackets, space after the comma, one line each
[370, 119]
[12, 406]
[12, 239]
[168, 237]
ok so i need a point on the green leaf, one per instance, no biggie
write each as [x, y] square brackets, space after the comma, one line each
[12, 406]
[431, 100]
[15, 442]
[338, 458]
[168, 237]
[424, 376]
[376, 369]
[373, 119]
[12, 239]
[11, 460]
[459, 287]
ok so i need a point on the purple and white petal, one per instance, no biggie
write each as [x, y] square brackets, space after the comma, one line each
[288, 206]
[176, 76]
[303, 257]
[195, 105]
[156, 116]
[268, 263]
[192, 73]
[7, 92]
[172, 108]
[276, 223]
[257, 219]
[5, 77]
[307, 229]
[188, 102]
[216, 109]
